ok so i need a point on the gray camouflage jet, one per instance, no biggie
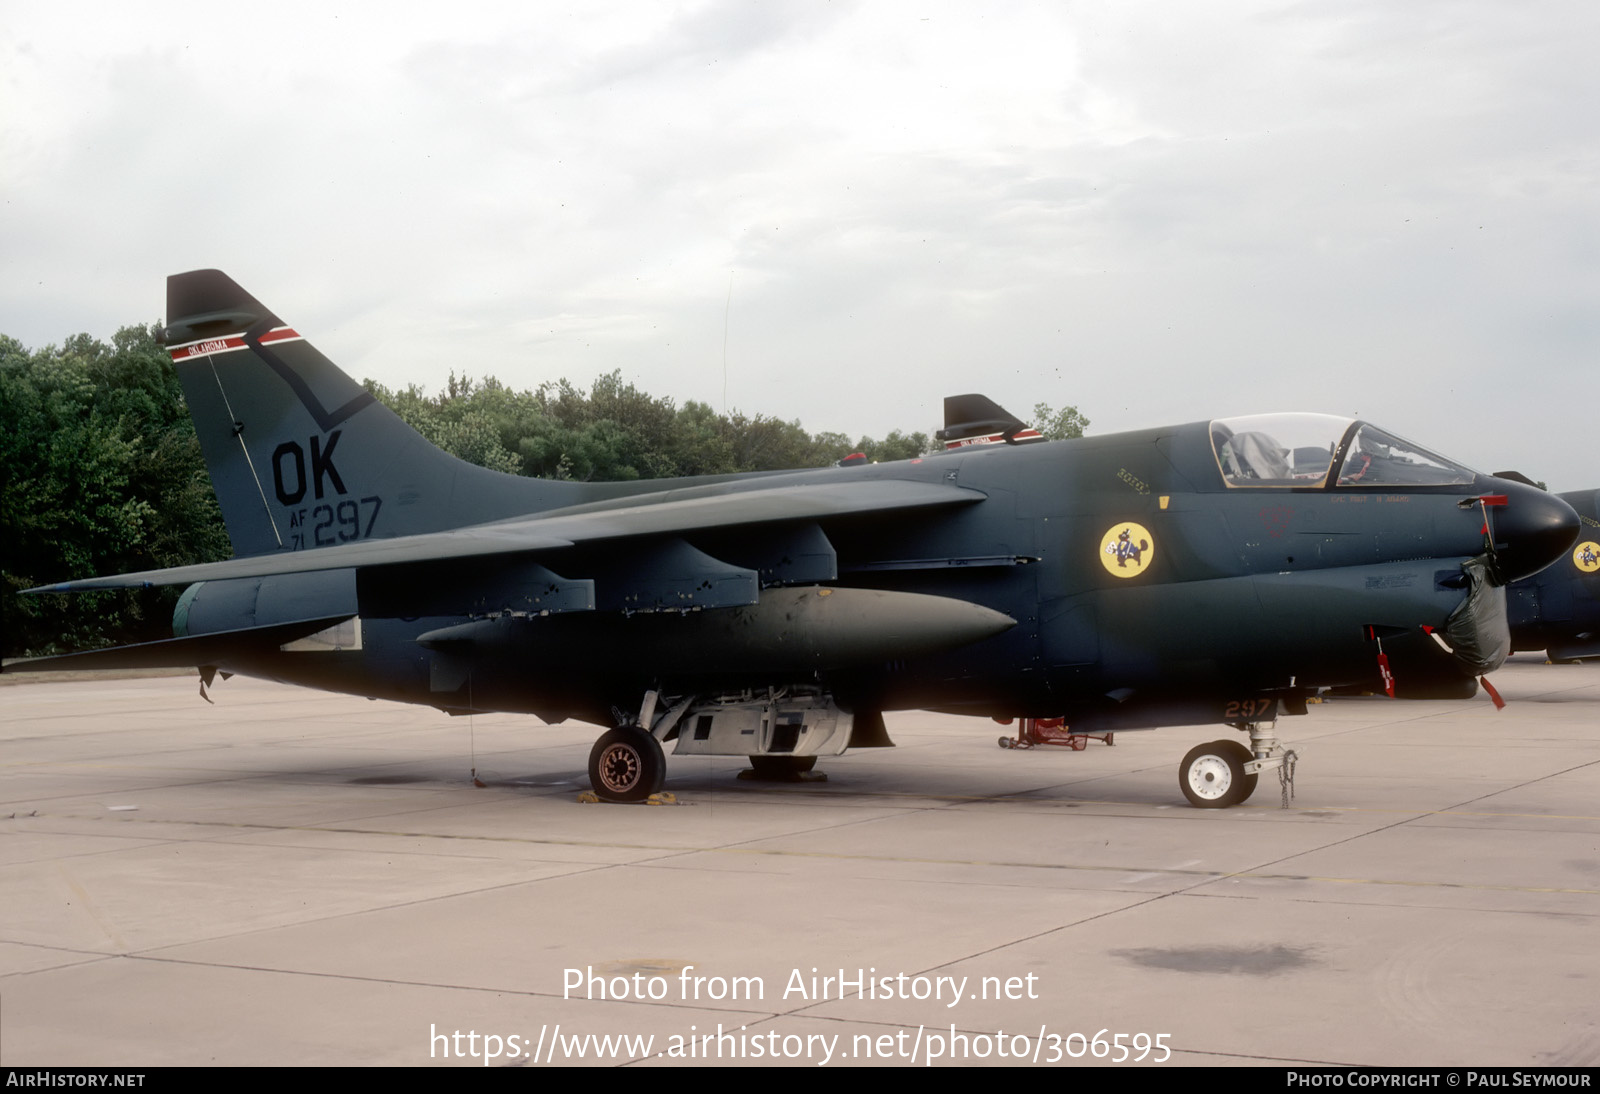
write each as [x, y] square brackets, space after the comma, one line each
[1216, 572]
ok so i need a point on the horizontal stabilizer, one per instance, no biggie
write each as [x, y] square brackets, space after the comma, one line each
[194, 651]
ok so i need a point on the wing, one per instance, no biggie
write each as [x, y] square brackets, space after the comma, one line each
[666, 513]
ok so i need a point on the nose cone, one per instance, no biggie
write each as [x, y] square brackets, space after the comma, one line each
[1531, 530]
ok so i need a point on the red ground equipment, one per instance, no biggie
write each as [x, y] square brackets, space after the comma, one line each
[1032, 732]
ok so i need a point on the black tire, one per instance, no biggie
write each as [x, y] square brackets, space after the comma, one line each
[1005, 742]
[627, 765]
[779, 766]
[1212, 775]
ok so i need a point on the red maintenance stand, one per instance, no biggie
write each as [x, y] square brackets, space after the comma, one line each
[1035, 732]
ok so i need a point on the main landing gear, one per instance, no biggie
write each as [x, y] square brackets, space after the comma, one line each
[781, 730]
[1221, 773]
[627, 765]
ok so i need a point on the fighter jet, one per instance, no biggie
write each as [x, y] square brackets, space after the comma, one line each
[1217, 572]
[1558, 609]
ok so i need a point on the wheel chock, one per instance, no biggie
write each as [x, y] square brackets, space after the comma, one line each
[665, 797]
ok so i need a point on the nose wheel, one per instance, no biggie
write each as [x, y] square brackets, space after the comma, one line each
[1212, 775]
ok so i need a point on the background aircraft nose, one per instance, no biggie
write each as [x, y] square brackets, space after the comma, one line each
[1531, 530]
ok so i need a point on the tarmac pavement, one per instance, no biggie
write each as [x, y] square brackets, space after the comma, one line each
[290, 877]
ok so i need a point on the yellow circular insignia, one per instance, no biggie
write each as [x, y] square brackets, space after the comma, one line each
[1127, 550]
[1586, 556]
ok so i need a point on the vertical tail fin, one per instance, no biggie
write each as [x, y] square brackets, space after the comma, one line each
[301, 456]
[978, 419]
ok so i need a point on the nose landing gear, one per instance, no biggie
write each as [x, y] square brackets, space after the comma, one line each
[1221, 773]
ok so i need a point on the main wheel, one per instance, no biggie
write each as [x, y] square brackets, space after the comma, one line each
[779, 766]
[626, 765]
[1212, 775]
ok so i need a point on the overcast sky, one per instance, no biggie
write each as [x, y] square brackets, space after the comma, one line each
[842, 212]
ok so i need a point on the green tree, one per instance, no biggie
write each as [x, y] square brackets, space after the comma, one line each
[1058, 425]
[102, 475]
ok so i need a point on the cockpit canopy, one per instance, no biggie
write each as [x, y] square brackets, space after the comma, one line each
[1320, 450]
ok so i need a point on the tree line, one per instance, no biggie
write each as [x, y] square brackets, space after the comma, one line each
[103, 472]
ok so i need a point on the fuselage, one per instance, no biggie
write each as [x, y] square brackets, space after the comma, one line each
[1220, 571]
[1139, 574]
